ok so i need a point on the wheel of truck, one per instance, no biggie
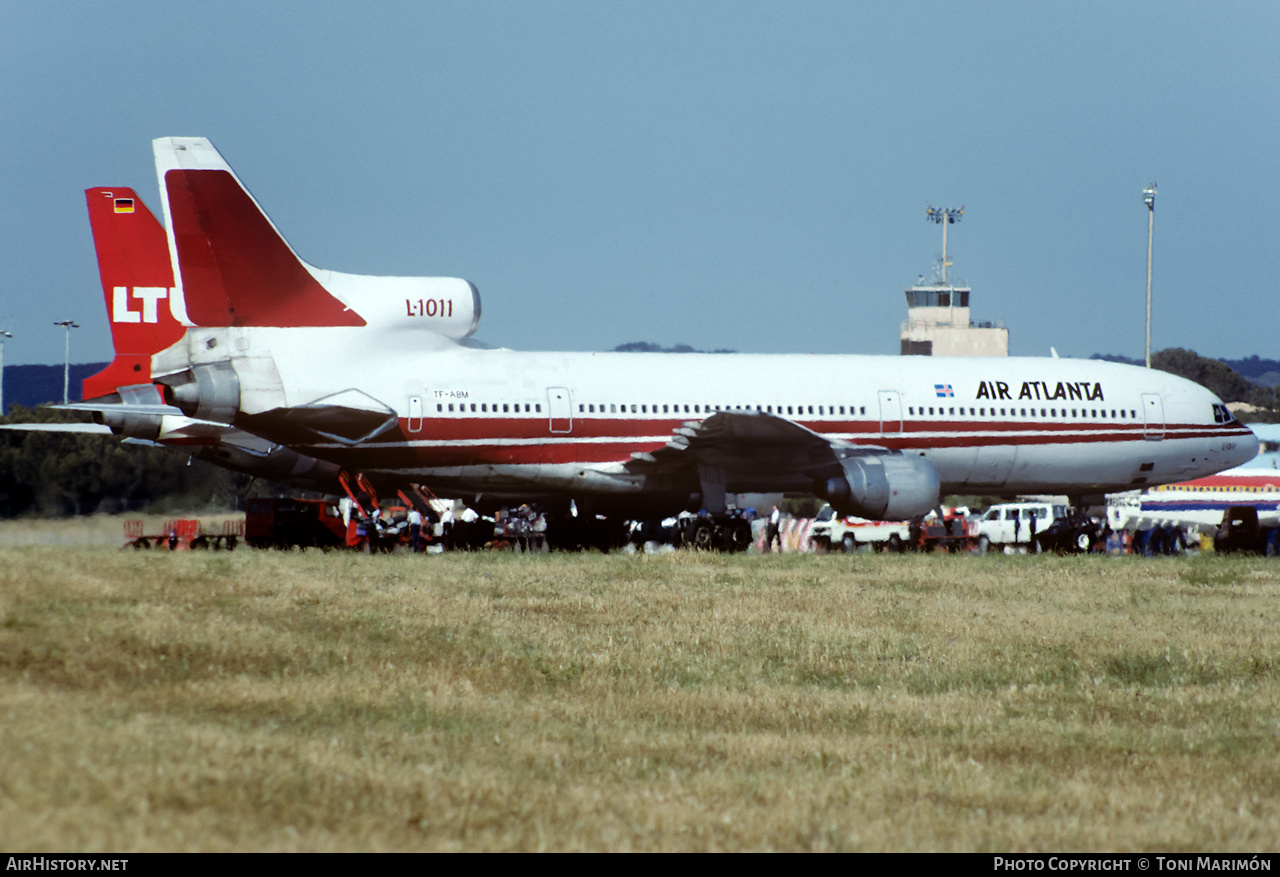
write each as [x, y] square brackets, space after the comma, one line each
[896, 545]
[984, 544]
[850, 543]
[738, 536]
[1083, 542]
[701, 536]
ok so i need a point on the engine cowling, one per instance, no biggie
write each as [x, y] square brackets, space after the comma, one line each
[206, 392]
[131, 424]
[883, 487]
[446, 306]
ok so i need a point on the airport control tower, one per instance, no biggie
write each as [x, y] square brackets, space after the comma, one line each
[937, 322]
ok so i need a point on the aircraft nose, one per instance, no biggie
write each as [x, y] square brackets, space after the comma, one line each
[1245, 450]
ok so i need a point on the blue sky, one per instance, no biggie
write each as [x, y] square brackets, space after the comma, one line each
[745, 175]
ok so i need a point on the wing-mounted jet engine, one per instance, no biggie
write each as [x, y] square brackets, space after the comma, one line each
[882, 487]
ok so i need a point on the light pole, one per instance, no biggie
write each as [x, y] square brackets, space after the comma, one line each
[1149, 198]
[944, 216]
[66, 364]
[3, 336]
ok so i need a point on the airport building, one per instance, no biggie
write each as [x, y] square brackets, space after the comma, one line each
[938, 321]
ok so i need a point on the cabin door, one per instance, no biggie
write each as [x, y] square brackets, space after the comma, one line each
[415, 414]
[890, 412]
[561, 408]
[1153, 411]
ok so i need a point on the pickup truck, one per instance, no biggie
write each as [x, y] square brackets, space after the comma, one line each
[829, 532]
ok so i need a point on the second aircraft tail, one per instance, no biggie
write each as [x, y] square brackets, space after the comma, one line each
[137, 283]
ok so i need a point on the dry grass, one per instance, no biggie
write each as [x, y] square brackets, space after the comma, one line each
[291, 701]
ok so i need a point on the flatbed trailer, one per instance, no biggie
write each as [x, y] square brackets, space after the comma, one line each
[183, 534]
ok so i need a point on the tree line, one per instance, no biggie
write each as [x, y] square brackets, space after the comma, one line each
[56, 474]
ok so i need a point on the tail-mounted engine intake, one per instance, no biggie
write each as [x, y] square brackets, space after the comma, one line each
[206, 392]
[883, 487]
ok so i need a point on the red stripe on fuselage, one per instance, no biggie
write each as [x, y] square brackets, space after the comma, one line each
[465, 441]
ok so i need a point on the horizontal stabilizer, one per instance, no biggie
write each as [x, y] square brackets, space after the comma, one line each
[123, 408]
[85, 428]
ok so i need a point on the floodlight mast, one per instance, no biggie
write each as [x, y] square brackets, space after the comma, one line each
[66, 363]
[1149, 198]
[944, 216]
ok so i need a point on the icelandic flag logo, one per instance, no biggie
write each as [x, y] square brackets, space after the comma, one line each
[944, 391]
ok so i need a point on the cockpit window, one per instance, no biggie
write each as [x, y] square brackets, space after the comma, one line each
[1222, 414]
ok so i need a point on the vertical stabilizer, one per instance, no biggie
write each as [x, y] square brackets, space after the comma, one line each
[137, 283]
[234, 266]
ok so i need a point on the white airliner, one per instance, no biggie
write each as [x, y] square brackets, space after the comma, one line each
[235, 346]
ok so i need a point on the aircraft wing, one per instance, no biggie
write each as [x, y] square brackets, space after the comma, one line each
[750, 446]
[736, 452]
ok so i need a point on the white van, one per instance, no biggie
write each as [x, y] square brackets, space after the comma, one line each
[1016, 523]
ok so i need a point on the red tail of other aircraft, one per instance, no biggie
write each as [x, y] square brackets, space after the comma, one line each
[137, 283]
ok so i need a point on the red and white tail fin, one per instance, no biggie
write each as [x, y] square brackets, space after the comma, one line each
[137, 283]
[234, 266]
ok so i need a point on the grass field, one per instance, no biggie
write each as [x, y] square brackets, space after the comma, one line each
[309, 701]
